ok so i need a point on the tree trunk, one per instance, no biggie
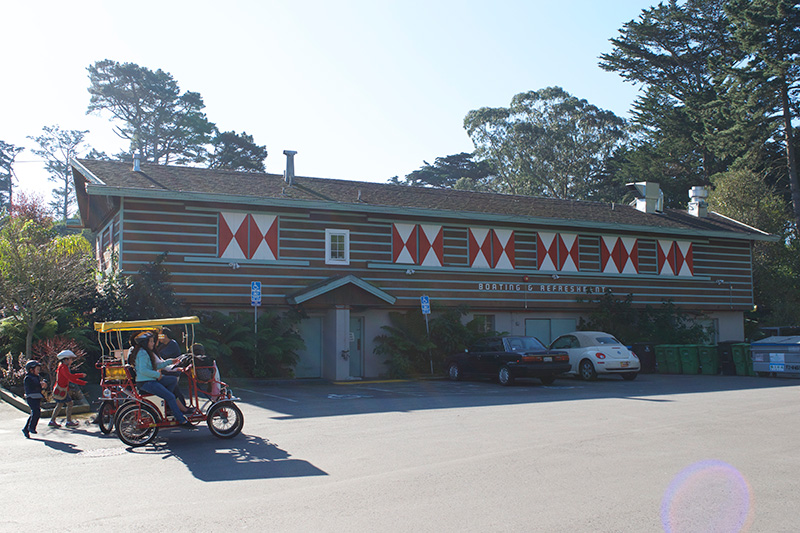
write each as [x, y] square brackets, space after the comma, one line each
[791, 162]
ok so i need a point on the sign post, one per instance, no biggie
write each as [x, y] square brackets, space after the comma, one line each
[425, 303]
[255, 301]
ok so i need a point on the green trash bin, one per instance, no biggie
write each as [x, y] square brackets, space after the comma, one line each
[661, 358]
[709, 360]
[741, 353]
[690, 361]
[673, 355]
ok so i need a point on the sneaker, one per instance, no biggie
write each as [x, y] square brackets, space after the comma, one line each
[26, 433]
[188, 425]
[32, 431]
[72, 424]
[54, 424]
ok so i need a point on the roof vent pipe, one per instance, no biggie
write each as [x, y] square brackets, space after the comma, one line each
[137, 162]
[697, 202]
[288, 174]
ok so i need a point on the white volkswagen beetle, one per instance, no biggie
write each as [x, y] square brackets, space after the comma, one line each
[595, 352]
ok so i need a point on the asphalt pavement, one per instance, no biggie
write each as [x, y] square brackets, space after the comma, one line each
[661, 453]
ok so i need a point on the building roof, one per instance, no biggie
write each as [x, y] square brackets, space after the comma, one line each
[111, 178]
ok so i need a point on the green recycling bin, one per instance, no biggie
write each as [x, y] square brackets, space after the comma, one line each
[690, 361]
[661, 358]
[673, 356]
[741, 354]
[709, 360]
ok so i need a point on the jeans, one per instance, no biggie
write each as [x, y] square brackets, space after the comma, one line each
[164, 388]
[36, 411]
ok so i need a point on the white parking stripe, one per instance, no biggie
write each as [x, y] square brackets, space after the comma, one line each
[270, 395]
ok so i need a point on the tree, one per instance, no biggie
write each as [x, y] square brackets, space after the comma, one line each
[547, 143]
[457, 171]
[769, 32]
[237, 152]
[58, 147]
[8, 153]
[40, 272]
[162, 124]
[675, 52]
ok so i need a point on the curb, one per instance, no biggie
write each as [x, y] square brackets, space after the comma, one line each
[20, 403]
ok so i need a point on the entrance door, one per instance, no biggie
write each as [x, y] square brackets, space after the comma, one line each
[356, 347]
[309, 365]
[547, 329]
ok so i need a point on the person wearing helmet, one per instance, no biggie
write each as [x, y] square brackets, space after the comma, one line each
[61, 389]
[149, 378]
[33, 395]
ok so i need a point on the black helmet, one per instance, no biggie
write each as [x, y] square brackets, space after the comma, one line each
[30, 365]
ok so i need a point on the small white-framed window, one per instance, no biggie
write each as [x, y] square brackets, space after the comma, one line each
[337, 247]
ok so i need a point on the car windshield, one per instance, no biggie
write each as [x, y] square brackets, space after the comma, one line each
[523, 344]
[606, 339]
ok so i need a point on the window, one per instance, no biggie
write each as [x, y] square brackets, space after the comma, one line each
[337, 247]
[484, 323]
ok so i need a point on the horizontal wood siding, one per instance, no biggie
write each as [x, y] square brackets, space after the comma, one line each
[189, 233]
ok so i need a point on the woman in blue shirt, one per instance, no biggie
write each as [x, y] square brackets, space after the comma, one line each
[149, 378]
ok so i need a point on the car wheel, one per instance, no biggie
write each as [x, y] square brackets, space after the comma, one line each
[454, 372]
[548, 380]
[586, 370]
[630, 376]
[504, 376]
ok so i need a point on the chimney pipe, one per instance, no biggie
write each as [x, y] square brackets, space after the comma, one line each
[697, 202]
[137, 162]
[288, 174]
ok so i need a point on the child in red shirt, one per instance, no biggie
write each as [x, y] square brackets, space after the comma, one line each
[61, 389]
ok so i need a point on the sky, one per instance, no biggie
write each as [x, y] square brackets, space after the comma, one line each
[361, 89]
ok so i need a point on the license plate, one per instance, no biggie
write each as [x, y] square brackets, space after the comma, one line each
[547, 359]
[624, 364]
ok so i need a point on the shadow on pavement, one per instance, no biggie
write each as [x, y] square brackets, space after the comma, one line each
[242, 457]
[296, 400]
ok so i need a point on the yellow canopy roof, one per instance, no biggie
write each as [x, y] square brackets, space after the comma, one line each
[131, 325]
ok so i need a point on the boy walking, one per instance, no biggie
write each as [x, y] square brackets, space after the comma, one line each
[33, 395]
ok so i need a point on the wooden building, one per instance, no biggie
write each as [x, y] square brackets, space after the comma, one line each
[350, 252]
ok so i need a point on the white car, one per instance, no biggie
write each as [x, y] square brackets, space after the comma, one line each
[595, 352]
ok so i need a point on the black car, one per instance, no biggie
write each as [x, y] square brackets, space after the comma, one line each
[507, 358]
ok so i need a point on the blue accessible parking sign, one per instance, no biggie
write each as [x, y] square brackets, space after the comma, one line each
[255, 293]
[425, 302]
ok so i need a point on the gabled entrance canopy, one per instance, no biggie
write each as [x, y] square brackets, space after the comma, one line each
[340, 287]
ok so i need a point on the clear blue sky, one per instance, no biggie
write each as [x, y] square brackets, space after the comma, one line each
[362, 90]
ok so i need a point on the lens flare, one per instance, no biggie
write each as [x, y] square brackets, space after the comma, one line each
[710, 496]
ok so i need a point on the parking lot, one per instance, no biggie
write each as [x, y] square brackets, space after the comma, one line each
[662, 452]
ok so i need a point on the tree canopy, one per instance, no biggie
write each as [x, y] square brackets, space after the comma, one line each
[547, 143]
[163, 124]
[237, 152]
[40, 272]
[8, 153]
[58, 147]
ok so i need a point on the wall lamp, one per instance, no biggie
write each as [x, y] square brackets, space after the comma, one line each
[233, 265]
[720, 281]
[410, 271]
[554, 276]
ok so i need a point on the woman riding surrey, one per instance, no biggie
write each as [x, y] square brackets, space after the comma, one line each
[149, 378]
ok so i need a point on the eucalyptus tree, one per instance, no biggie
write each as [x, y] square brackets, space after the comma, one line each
[547, 143]
[57, 147]
[456, 171]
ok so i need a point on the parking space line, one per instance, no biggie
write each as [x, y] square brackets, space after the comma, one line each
[270, 395]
